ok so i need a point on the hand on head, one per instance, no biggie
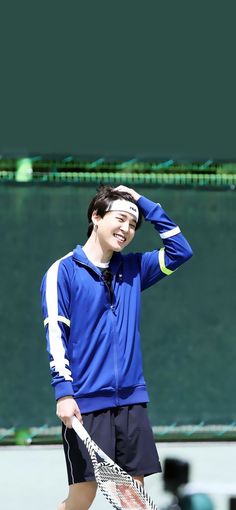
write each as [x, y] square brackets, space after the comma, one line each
[131, 191]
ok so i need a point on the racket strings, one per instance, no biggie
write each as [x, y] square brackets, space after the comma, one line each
[125, 492]
[119, 488]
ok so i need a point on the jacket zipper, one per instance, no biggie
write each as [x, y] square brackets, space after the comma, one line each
[116, 371]
[112, 309]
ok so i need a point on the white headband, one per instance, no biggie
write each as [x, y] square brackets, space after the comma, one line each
[126, 206]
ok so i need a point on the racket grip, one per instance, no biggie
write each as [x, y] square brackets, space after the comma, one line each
[79, 429]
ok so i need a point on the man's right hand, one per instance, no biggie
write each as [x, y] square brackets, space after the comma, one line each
[66, 409]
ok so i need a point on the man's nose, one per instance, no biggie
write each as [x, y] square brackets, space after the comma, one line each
[125, 226]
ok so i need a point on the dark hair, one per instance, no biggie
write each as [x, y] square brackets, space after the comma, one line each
[102, 200]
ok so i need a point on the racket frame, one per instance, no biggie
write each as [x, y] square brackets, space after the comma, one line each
[93, 448]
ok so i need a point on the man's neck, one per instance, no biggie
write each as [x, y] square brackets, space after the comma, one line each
[95, 253]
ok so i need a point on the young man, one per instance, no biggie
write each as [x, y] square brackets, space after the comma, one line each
[91, 307]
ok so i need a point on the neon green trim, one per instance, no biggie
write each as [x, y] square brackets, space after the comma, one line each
[59, 318]
[161, 257]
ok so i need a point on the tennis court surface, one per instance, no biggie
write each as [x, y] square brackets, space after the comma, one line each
[34, 477]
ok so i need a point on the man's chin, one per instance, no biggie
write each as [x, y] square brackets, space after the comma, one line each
[118, 249]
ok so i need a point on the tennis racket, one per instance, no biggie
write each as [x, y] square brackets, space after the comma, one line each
[119, 488]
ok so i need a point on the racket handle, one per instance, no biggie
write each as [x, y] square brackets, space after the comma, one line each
[79, 429]
[83, 434]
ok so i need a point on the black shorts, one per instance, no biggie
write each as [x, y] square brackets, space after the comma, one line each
[125, 435]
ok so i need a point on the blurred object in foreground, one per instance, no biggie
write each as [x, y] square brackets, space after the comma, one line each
[176, 478]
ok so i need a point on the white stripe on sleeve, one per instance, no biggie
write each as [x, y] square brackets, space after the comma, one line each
[170, 233]
[60, 318]
[57, 349]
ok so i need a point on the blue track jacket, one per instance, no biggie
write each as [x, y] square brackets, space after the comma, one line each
[93, 343]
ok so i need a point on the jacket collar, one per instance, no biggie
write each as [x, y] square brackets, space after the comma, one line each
[79, 256]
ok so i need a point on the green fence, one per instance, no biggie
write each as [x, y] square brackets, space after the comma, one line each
[188, 319]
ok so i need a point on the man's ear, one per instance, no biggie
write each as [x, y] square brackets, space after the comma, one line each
[95, 217]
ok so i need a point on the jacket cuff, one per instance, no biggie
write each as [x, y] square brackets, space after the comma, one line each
[63, 389]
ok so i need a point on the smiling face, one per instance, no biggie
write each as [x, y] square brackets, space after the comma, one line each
[115, 230]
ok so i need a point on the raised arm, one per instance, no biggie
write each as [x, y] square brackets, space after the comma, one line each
[176, 249]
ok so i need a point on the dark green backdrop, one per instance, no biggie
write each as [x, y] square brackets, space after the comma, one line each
[188, 320]
[132, 79]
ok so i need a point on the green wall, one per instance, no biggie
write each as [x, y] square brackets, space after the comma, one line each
[188, 319]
